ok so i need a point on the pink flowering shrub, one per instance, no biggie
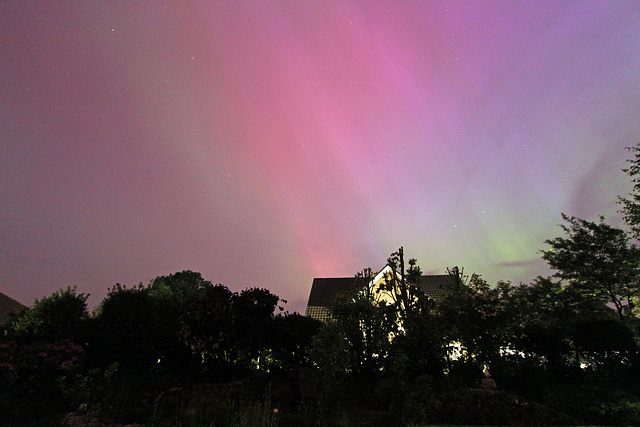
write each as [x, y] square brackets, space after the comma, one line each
[38, 380]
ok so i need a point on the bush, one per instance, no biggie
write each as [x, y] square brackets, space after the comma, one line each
[592, 402]
[522, 376]
[38, 381]
[234, 404]
[61, 316]
[481, 407]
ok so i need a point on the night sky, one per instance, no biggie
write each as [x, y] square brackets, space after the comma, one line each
[265, 143]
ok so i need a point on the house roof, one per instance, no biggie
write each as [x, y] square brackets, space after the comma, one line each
[436, 285]
[8, 307]
[325, 290]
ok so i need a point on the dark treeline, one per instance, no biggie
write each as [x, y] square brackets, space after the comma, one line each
[179, 330]
[562, 350]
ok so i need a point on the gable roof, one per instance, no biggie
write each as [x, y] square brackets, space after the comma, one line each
[435, 285]
[324, 290]
[9, 307]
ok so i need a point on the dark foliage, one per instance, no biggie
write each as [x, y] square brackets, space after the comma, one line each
[127, 330]
[61, 316]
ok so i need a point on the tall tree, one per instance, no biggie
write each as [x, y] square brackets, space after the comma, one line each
[293, 338]
[598, 261]
[403, 286]
[205, 326]
[253, 310]
[367, 322]
[631, 205]
[178, 289]
[127, 329]
[390, 322]
[478, 317]
[171, 296]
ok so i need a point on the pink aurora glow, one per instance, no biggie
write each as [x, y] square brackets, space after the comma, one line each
[267, 143]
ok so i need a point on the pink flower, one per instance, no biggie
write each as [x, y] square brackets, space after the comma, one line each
[70, 361]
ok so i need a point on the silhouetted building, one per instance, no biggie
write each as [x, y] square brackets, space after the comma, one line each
[324, 291]
[8, 308]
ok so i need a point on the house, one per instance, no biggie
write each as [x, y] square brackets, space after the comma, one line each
[324, 291]
[9, 308]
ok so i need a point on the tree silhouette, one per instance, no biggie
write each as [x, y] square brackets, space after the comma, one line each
[598, 261]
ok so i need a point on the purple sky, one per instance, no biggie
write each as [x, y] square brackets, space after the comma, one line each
[266, 143]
